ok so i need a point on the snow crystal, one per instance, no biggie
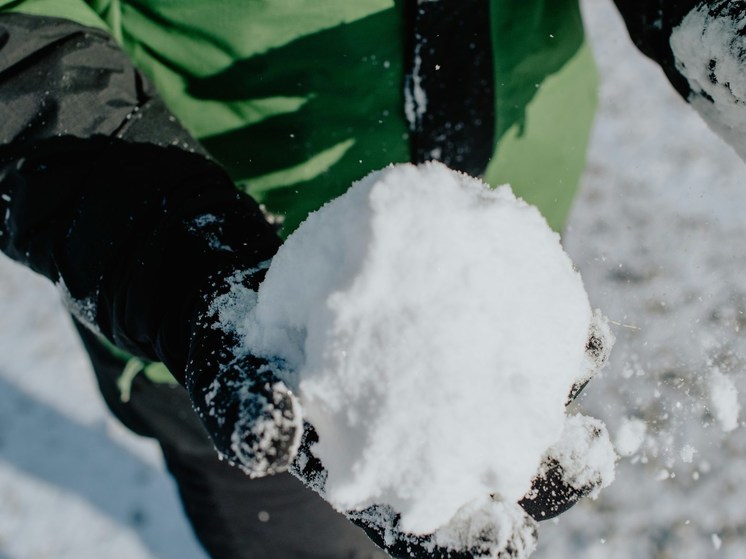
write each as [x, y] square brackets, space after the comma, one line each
[209, 228]
[85, 310]
[724, 400]
[630, 436]
[229, 309]
[710, 52]
[687, 453]
[434, 327]
[663, 475]
[716, 542]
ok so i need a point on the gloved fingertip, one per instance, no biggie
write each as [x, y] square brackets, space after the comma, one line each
[266, 440]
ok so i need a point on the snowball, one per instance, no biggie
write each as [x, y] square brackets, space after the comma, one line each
[709, 48]
[433, 328]
[724, 400]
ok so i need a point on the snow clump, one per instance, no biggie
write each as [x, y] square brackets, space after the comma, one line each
[630, 436]
[433, 328]
[724, 400]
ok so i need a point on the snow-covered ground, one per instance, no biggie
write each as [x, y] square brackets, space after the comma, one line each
[657, 233]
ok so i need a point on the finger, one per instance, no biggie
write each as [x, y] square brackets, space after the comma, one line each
[597, 350]
[306, 467]
[254, 419]
[483, 529]
[580, 464]
[550, 494]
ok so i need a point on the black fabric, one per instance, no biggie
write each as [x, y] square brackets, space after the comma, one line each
[650, 23]
[136, 232]
[449, 47]
[137, 229]
[227, 510]
[96, 198]
[58, 78]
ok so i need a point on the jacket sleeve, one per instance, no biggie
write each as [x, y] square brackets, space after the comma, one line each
[701, 47]
[103, 192]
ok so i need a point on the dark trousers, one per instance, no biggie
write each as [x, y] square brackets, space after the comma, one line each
[234, 517]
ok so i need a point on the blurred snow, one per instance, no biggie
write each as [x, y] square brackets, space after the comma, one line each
[658, 236]
[657, 233]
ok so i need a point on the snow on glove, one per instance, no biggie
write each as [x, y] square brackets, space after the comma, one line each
[570, 470]
[104, 193]
[576, 467]
[487, 529]
[254, 419]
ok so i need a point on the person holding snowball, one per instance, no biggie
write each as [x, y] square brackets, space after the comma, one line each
[153, 155]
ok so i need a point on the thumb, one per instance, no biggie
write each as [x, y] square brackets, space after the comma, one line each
[253, 418]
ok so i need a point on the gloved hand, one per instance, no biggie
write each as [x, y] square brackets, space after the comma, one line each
[489, 528]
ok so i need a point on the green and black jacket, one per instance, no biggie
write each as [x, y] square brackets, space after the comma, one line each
[126, 126]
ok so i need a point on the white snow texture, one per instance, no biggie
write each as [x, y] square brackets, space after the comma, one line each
[435, 327]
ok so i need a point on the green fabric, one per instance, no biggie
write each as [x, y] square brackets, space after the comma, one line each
[530, 41]
[351, 122]
[298, 99]
[543, 155]
[76, 10]
[544, 106]
[156, 373]
[133, 366]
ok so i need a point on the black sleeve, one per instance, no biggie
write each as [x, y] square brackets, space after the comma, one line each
[650, 24]
[103, 192]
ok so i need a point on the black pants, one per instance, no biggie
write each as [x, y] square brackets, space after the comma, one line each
[233, 516]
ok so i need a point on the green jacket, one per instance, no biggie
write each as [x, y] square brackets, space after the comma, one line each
[297, 99]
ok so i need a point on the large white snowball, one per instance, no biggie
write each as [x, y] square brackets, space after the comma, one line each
[434, 327]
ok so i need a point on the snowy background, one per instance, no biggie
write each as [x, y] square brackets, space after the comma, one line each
[657, 233]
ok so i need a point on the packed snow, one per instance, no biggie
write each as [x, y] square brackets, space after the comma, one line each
[657, 232]
[433, 328]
